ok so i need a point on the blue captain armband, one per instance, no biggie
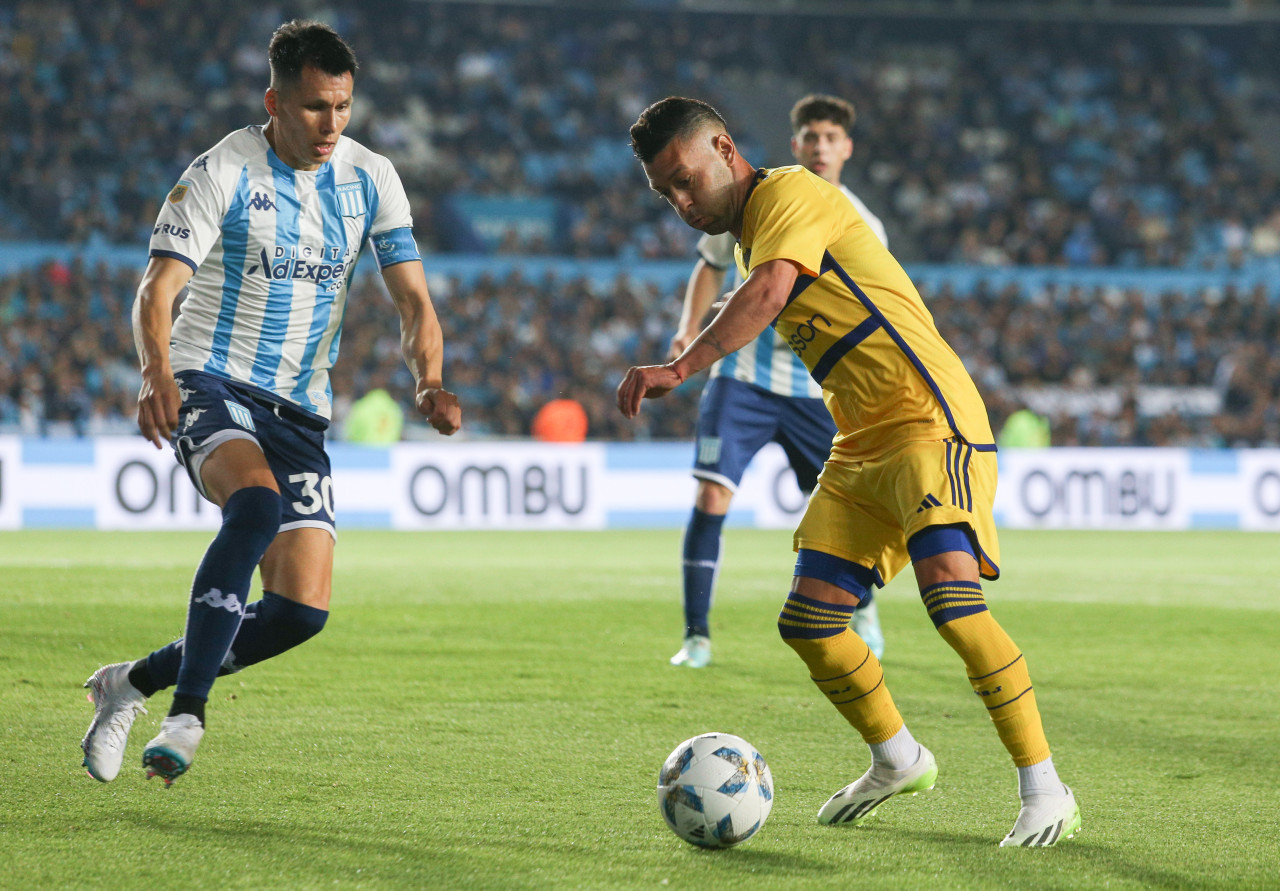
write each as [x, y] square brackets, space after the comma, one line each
[395, 246]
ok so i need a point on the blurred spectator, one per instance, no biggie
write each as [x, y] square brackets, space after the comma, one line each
[374, 419]
[560, 420]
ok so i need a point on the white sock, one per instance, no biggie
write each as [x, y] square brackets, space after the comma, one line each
[1039, 779]
[898, 752]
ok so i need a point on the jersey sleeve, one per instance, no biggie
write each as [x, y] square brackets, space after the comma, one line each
[391, 232]
[788, 220]
[190, 220]
[717, 250]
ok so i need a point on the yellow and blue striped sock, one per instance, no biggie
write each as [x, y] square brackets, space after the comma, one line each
[841, 664]
[997, 670]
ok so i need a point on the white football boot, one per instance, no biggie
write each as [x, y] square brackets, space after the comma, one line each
[859, 800]
[866, 624]
[116, 703]
[696, 652]
[1045, 819]
[170, 754]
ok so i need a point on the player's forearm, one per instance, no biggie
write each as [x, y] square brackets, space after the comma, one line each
[750, 310]
[422, 343]
[152, 327]
[700, 292]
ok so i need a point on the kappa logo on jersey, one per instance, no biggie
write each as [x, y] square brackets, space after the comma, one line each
[216, 599]
[193, 416]
[297, 268]
[261, 201]
[201, 163]
[351, 199]
[239, 414]
[179, 192]
[184, 392]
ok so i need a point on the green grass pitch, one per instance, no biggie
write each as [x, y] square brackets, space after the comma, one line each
[490, 710]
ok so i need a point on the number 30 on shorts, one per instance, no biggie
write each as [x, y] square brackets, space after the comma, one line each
[317, 493]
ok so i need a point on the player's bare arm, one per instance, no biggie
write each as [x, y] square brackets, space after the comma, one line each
[422, 343]
[750, 310]
[700, 294]
[158, 400]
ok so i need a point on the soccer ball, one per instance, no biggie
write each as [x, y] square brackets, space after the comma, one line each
[715, 790]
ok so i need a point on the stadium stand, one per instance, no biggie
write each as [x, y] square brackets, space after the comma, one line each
[1146, 364]
[1001, 149]
[979, 142]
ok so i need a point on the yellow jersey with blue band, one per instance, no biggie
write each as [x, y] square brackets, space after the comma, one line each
[857, 322]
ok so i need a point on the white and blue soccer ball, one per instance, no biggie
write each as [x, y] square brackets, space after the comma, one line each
[715, 790]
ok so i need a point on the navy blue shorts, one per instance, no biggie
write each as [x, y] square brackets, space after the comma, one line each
[736, 420]
[215, 410]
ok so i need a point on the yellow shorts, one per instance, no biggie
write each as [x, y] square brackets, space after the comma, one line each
[864, 511]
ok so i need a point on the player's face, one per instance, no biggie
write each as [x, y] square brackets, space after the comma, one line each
[822, 147]
[695, 175]
[308, 117]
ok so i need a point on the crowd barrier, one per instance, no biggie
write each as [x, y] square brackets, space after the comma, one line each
[124, 483]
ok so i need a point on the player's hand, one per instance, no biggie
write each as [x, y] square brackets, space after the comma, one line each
[158, 404]
[645, 382]
[441, 409]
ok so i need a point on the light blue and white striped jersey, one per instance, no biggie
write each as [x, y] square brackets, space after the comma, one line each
[767, 362]
[273, 249]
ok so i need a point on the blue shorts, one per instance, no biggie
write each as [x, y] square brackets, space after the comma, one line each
[215, 410]
[736, 420]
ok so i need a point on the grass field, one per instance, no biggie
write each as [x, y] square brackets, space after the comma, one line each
[490, 710]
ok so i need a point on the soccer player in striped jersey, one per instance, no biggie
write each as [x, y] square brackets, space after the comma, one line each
[264, 231]
[912, 473]
[759, 394]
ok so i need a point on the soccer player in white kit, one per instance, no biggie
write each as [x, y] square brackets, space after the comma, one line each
[264, 230]
[761, 393]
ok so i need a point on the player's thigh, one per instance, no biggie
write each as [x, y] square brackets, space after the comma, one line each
[217, 439]
[941, 483]
[299, 565]
[840, 520]
[735, 421]
[805, 433]
[234, 465]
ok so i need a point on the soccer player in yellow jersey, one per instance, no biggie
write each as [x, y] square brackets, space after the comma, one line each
[912, 472]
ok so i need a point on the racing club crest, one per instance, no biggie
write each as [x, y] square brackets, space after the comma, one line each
[179, 192]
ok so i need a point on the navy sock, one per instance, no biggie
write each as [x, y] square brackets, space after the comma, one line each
[701, 564]
[250, 520]
[270, 626]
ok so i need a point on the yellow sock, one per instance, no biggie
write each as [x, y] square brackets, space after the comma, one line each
[997, 670]
[841, 664]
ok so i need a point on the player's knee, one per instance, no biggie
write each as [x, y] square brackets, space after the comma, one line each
[804, 620]
[255, 510]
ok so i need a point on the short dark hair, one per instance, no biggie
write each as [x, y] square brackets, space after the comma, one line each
[821, 107]
[300, 43]
[669, 119]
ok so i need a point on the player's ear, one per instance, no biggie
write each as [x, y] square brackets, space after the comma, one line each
[725, 147]
[269, 101]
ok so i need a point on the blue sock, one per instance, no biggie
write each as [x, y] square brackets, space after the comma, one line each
[701, 564]
[270, 626]
[250, 520]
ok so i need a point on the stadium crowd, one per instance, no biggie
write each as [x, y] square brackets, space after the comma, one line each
[990, 143]
[1088, 358]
